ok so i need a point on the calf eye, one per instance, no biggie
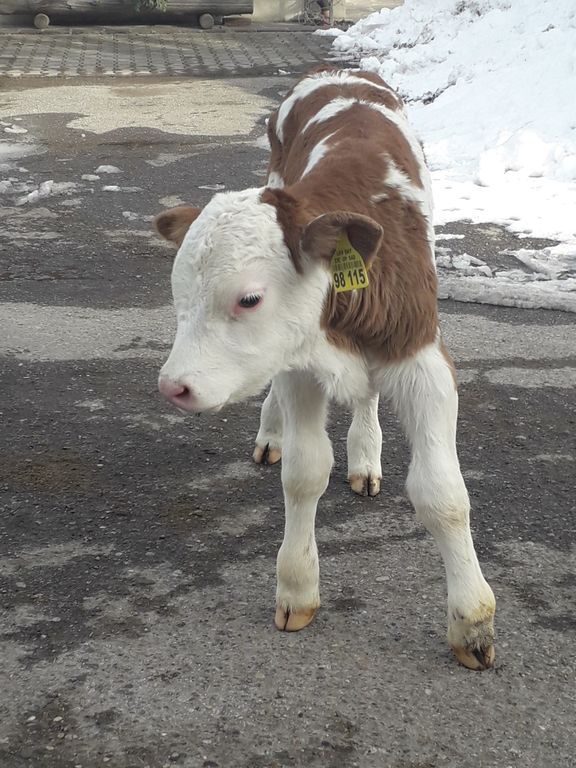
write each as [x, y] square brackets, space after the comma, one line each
[249, 301]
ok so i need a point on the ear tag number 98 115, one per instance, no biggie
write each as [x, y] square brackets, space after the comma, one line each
[347, 267]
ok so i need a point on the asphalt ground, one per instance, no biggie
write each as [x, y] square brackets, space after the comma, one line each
[137, 546]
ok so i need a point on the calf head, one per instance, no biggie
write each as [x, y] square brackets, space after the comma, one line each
[249, 283]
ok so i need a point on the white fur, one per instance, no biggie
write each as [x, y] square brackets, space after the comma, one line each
[364, 440]
[271, 428]
[423, 393]
[421, 196]
[364, 436]
[306, 464]
[333, 108]
[318, 152]
[236, 247]
[399, 180]
[313, 83]
[275, 181]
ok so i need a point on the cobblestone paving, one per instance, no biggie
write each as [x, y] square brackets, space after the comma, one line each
[158, 51]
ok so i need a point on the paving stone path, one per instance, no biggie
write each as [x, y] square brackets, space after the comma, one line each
[158, 50]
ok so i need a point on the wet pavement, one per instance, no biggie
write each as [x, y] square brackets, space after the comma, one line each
[137, 546]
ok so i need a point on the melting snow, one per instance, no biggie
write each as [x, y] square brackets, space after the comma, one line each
[490, 86]
[15, 129]
[46, 189]
[107, 169]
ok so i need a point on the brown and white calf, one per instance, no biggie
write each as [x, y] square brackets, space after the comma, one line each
[323, 282]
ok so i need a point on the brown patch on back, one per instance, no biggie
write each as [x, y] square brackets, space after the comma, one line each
[397, 314]
[357, 123]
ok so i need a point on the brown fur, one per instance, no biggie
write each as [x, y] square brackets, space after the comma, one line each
[175, 222]
[289, 158]
[397, 314]
[275, 162]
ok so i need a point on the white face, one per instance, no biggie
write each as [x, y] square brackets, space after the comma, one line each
[244, 313]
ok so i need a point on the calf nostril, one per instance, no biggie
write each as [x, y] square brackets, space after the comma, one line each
[172, 390]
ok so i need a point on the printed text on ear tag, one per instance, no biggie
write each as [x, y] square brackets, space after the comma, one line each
[347, 267]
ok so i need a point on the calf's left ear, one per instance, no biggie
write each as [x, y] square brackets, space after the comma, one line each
[321, 235]
[174, 223]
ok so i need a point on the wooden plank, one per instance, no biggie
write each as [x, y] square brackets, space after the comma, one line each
[123, 8]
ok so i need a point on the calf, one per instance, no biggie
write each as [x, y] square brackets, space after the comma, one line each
[323, 282]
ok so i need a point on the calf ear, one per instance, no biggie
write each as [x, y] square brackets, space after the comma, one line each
[175, 222]
[321, 235]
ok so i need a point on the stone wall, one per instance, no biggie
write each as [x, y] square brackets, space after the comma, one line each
[285, 10]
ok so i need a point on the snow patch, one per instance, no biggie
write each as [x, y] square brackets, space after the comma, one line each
[107, 169]
[489, 85]
[46, 189]
[15, 129]
[132, 216]
[116, 188]
[10, 152]
[332, 32]
[465, 264]
[506, 290]
[171, 201]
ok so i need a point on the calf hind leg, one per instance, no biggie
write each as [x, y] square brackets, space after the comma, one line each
[365, 448]
[268, 448]
[423, 392]
[364, 442]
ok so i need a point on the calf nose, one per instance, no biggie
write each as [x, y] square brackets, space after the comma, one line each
[171, 389]
[178, 394]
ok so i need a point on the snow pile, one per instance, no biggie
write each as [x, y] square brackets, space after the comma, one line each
[491, 90]
[45, 189]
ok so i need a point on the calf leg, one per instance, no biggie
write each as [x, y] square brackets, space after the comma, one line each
[306, 464]
[423, 391]
[364, 442]
[268, 448]
[365, 448]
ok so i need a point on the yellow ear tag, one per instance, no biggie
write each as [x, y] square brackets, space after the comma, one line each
[347, 267]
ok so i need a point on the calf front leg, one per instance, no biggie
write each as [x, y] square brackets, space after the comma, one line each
[423, 392]
[306, 464]
[365, 448]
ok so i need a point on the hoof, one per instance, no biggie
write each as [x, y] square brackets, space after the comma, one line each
[365, 485]
[293, 621]
[266, 455]
[476, 658]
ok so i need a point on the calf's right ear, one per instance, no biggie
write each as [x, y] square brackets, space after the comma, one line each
[174, 223]
[321, 235]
